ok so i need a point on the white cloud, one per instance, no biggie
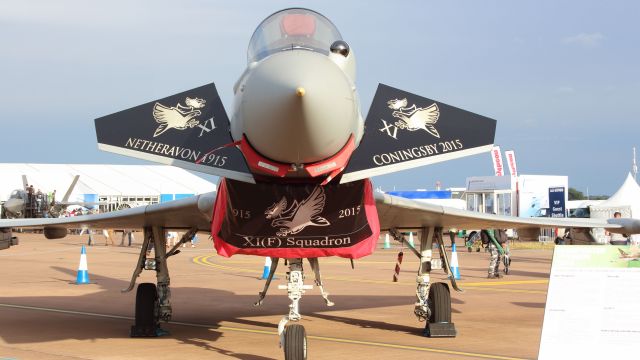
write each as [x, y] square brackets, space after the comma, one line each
[584, 39]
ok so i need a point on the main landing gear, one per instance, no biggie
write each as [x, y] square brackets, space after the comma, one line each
[433, 300]
[153, 300]
[293, 337]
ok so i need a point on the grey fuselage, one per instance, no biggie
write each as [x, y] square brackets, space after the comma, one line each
[298, 106]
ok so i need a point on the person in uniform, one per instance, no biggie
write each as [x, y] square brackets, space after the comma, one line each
[492, 239]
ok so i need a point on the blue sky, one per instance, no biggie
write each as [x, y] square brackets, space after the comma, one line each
[561, 78]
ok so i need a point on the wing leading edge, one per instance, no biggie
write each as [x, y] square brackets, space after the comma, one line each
[192, 212]
[404, 213]
[393, 211]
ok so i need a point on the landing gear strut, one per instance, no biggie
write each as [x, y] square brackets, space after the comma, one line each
[433, 301]
[153, 302]
[293, 337]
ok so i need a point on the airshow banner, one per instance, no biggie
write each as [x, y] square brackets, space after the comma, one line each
[404, 130]
[295, 220]
[496, 157]
[511, 162]
[180, 130]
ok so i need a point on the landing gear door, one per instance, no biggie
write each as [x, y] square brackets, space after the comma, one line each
[404, 130]
[180, 130]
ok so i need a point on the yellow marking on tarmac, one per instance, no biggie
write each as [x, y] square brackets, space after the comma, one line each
[204, 261]
[250, 261]
[271, 332]
[505, 290]
[510, 282]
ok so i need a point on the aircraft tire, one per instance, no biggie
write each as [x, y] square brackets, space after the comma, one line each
[440, 303]
[295, 342]
[146, 301]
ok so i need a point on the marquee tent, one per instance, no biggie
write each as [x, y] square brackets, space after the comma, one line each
[626, 200]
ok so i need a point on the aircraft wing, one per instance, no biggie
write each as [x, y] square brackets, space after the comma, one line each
[401, 213]
[195, 211]
[393, 211]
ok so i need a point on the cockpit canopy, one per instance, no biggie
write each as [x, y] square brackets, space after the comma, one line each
[292, 29]
[16, 194]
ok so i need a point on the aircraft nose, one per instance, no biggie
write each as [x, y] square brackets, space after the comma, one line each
[13, 205]
[298, 107]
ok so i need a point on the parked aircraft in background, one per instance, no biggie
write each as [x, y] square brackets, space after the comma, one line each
[30, 202]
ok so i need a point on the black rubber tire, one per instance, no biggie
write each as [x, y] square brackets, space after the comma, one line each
[439, 303]
[295, 342]
[146, 303]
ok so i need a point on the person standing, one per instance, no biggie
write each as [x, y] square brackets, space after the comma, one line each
[194, 240]
[130, 237]
[108, 237]
[172, 238]
[452, 236]
[492, 240]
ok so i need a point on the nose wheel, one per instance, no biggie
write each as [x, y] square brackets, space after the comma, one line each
[295, 342]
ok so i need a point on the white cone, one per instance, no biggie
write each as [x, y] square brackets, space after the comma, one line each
[455, 270]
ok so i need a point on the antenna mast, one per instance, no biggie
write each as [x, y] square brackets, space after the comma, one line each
[634, 166]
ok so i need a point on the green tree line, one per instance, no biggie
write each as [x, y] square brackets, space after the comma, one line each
[575, 194]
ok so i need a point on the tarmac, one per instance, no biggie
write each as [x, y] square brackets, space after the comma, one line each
[44, 315]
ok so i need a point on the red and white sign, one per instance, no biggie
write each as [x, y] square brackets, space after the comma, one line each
[511, 161]
[496, 156]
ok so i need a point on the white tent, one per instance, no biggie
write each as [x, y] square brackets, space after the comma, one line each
[103, 179]
[626, 201]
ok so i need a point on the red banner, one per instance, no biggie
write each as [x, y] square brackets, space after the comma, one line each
[295, 220]
[496, 156]
[511, 161]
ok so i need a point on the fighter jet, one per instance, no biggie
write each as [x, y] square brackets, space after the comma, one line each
[28, 203]
[296, 136]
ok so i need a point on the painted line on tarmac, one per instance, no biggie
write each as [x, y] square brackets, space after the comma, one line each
[274, 333]
[509, 282]
[204, 261]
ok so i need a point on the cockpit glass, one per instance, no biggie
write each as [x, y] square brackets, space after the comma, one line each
[292, 29]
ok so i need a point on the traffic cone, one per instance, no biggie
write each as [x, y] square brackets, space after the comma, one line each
[266, 269]
[411, 239]
[455, 270]
[387, 243]
[83, 273]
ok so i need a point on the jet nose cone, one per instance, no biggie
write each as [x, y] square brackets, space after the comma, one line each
[298, 107]
[13, 205]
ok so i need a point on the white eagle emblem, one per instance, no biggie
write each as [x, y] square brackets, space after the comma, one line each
[178, 117]
[414, 118]
[299, 215]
